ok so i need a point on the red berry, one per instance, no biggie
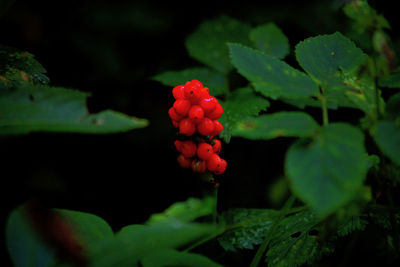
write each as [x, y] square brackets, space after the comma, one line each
[196, 113]
[191, 90]
[217, 128]
[184, 162]
[182, 106]
[175, 124]
[188, 149]
[216, 113]
[178, 92]
[199, 94]
[197, 83]
[216, 146]
[208, 104]
[204, 151]
[213, 162]
[187, 127]
[173, 115]
[221, 168]
[198, 166]
[205, 126]
[178, 145]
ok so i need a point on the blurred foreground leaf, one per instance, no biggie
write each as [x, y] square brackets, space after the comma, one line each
[32, 108]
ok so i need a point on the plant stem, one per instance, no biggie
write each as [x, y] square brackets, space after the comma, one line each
[260, 252]
[324, 107]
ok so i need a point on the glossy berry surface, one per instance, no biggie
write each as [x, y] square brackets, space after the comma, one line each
[188, 148]
[204, 151]
[208, 104]
[179, 92]
[216, 146]
[173, 115]
[187, 127]
[217, 128]
[182, 106]
[216, 113]
[196, 113]
[213, 162]
[221, 167]
[206, 126]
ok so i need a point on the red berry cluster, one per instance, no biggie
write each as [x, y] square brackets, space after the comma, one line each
[195, 112]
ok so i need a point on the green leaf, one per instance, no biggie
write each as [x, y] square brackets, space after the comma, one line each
[29, 108]
[19, 66]
[326, 172]
[354, 223]
[362, 93]
[24, 246]
[387, 137]
[134, 242]
[246, 227]
[393, 107]
[391, 81]
[279, 124]
[90, 229]
[215, 81]
[325, 58]
[241, 103]
[364, 16]
[294, 243]
[270, 39]
[170, 257]
[208, 43]
[186, 211]
[270, 76]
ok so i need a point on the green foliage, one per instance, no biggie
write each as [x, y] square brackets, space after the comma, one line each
[31, 108]
[169, 257]
[327, 170]
[296, 241]
[326, 58]
[364, 16]
[392, 111]
[208, 43]
[24, 246]
[351, 225]
[135, 242]
[161, 236]
[90, 229]
[269, 39]
[214, 80]
[19, 66]
[186, 211]
[246, 227]
[387, 137]
[240, 104]
[390, 81]
[326, 166]
[270, 76]
[323, 57]
[279, 124]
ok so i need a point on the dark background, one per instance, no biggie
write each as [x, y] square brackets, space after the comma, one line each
[111, 49]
